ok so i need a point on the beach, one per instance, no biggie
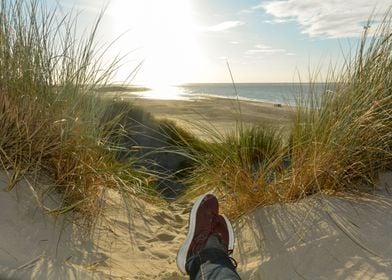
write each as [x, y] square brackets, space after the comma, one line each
[221, 114]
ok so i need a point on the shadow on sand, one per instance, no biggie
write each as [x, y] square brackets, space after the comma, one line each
[321, 237]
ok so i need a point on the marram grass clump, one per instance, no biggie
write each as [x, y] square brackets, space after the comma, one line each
[342, 141]
[50, 116]
[239, 167]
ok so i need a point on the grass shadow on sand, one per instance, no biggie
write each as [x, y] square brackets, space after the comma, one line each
[320, 237]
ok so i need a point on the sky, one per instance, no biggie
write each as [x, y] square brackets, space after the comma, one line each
[192, 41]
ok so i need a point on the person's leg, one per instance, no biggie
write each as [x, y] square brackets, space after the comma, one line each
[210, 240]
[213, 262]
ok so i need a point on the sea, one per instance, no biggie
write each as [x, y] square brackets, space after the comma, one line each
[281, 93]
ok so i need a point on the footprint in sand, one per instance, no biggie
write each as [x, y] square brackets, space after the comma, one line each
[165, 237]
[160, 255]
[160, 219]
[142, 248]
[178, 219]
[152, 240]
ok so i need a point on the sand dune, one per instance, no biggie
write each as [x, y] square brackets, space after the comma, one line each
[317, 238]
[34, 245]
[136, 243]
[320, 237]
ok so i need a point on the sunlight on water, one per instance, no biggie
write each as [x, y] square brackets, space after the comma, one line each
[282, 93]
[166, 92]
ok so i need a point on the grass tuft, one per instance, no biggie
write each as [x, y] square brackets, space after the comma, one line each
[239, 167]
[50, 113]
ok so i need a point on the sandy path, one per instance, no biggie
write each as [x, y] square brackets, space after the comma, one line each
[145, 247]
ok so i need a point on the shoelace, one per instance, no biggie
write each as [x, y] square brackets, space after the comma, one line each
[233, 261]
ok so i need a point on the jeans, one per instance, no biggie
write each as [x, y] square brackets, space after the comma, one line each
[211, 263]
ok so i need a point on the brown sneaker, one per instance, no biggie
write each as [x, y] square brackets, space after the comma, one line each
[225, 233]
[204, 211]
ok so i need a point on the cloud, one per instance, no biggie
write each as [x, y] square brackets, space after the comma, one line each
[332, 19]
[262, 46]
[276, 21]
[264, 49]
[246, 11]
[234, 42]
[224, 26]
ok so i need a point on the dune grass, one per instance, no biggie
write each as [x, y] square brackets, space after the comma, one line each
[52, 123]
[160, 146]
[50, 116]
[344, 139]
[339, 141]
[239, 167]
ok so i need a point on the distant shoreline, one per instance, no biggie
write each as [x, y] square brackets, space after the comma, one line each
[120, 88]
[274, 93]
[139, 92]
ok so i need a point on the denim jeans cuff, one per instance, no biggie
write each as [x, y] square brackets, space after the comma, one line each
[212, 255]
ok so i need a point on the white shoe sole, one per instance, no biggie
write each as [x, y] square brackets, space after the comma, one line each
[183, 252]
[231, 234]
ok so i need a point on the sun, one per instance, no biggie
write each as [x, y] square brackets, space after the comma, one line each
[166, 35]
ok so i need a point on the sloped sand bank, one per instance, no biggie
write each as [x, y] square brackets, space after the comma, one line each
[35, 245]
[318, 238]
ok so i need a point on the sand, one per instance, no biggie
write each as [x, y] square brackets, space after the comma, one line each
[320, 237]
[136, 243]
[219, 113]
